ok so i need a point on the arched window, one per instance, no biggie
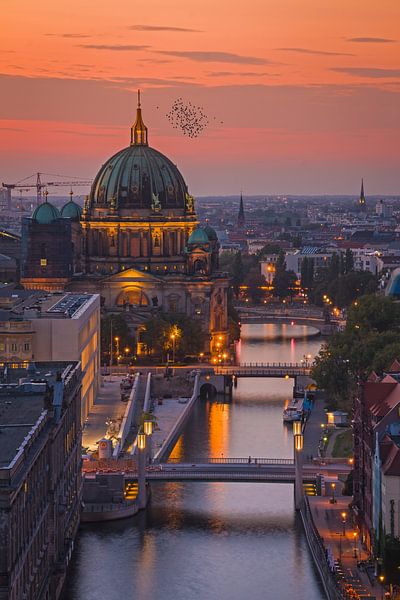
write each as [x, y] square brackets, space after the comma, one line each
[132, 297]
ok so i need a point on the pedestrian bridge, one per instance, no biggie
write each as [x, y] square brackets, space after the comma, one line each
[317, 321]
[257, 470]
[285, 370]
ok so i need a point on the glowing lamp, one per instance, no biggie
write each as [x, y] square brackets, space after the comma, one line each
[148, 427]
[296, 427]
[298, 442]
[141, 441]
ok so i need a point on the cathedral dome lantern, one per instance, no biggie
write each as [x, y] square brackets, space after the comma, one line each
[140, 177]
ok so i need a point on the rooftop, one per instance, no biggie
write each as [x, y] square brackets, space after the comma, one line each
[23, 403]
[40, 304]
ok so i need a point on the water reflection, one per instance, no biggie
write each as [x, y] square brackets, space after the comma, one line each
[212, 541]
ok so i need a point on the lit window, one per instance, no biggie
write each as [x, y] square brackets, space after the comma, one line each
[43, 262]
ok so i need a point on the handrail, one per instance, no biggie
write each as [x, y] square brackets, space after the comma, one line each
[232, 461]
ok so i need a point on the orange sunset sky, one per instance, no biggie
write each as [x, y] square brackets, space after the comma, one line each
[303, 96]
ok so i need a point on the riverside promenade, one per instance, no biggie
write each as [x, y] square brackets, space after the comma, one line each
[106, 414]
[329, 527]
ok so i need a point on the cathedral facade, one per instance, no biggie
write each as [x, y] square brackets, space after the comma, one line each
[137, 242]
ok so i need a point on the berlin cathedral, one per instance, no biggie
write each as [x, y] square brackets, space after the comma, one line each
[137, 242]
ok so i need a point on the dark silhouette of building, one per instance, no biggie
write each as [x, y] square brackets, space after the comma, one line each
[241, 220]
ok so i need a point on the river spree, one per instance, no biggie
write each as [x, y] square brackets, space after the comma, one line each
[213, 541]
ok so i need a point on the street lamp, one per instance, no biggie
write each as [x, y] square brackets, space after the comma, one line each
[148, 427]
[116, 339]
[141, 441]
[333, 499]
[381, 581]
[355, 543]
[344, 515]
[173, 338]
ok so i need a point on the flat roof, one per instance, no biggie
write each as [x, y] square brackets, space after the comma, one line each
[38, 304]
[22, 395]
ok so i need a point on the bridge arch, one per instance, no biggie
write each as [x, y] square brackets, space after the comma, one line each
[208, 391]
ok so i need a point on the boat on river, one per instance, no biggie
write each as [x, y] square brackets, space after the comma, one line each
[294, 411]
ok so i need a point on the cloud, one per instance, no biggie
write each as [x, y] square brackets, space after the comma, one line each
[163, 28]
[139, 81]
[68, 35]
[115, 47]
[19, 129]
[236, 74]
[318, 52]
[85, 133]
[371, 40]
[227, 57]
[375, 73]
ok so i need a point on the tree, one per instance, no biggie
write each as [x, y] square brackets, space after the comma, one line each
[189, 338]
[373, 313]
[268, 250]
[334, 267]
[238, 273]
[307, 273]
[348, 261]
[254, 282]
[284, 281]
[369, 342]
[120, 330]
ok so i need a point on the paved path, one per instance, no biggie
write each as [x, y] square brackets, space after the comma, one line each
[107, 406]
[328, 519]
[313, 429]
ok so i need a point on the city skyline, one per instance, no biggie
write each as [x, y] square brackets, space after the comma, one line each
[301, 99]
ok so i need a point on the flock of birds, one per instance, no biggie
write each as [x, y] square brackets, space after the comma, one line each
[191, 120]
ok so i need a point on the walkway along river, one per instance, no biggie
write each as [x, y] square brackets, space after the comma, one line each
[213, 541]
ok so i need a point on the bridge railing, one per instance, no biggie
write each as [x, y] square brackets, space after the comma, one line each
[233, 461]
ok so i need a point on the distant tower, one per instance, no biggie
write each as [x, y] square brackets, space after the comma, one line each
[361, 202]
[241, 219]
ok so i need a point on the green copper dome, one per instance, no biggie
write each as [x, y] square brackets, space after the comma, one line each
[140, 177]
[46, 213]
[211, 233]
[198, 236]
[71, 210]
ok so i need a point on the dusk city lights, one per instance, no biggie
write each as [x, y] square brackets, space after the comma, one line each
[200, 300]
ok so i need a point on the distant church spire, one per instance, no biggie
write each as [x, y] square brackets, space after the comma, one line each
[241, 219]
[362, 202]
[139, 129]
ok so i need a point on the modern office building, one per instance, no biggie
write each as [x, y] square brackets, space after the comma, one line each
[43, 326]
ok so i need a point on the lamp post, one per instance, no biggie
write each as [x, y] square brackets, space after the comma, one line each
[141, 444]
[344, 515]
[355, 543]
[298, 462]
[382, 581]
[148, 430]
[173, 336]
[333, 499]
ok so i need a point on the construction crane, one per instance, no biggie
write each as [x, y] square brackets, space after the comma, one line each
[40, 185]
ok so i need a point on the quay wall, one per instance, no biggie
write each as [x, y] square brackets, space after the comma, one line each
[317, 550]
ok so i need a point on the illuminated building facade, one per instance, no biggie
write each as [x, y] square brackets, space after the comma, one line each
[137, 242]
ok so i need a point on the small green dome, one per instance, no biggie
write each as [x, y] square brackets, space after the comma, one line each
[71, 210]
[46, 213]
[198, 236]
[211, 233]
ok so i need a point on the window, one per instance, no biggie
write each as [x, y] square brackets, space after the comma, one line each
[14, 347]
[43, 262]
[27, 346]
